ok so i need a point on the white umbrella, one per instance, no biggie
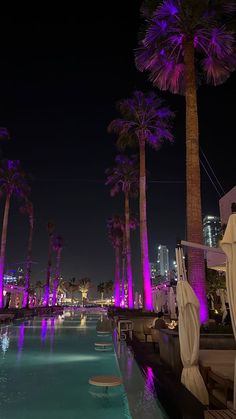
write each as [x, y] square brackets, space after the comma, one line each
[189, 333]
[228, 245]
[223, 306]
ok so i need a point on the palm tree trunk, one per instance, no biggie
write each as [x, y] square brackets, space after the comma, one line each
[123, 275]
[56, 280]
[147, 289]
[196, 267]
[28, 263]
[3, 246]
[49, 268]
[117, 277]
[128, 252]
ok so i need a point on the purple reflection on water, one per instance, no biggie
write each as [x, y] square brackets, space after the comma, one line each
[44, 330]
[21, 340]
[149, 379]
[52, 328]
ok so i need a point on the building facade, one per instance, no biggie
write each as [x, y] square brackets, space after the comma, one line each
[163, 265]
[211, 230]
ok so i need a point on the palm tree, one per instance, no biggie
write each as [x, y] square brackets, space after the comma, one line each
[101, 289]
[116, 236]
[124, 178]
[39, 288]
[28, 209]
[50, 228]
[72, 286]
[57, 247]
[13, 181]
[182, 39]
[84, 286]
[145, 120]
[109, 287]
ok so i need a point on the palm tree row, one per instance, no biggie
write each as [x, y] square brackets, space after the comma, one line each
[145, 120]
[183, 42]
[124, 178]
[15, 182]
[180, 42]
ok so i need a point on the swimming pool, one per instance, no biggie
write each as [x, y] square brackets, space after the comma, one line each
[45, 365]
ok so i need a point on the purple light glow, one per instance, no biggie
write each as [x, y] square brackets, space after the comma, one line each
[147, 280]
[198, 285]
[1, 284]
[46, 296]
[149, 379]
[44, 330]
[21, 340]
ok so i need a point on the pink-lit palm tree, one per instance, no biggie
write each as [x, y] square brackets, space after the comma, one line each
[50, 229]
[124, 178]
[13, 181]
[115, 235]
[144, 121]
[57, 247]
[28, 209]
[184, 40]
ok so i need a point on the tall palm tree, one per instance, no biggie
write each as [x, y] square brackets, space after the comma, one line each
[28, 209]
[39, 291]
[50, 228]
[109, 287]
[84, 286]
[116, 236]
[144, 121]
[72, 286]
[183, 39]
[124, 178]
[101, 289]
[57, 247]
[13, 181]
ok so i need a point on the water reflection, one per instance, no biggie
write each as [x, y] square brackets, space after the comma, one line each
[21, 340]
[4, 340]
[149, 390]
[52, 330]
[83, 319]
[44, 330]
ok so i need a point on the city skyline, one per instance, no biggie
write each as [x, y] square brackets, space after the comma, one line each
[57, 112]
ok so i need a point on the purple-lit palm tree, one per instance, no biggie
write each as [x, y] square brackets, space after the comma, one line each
[115, 235]
[13, 181]
[182, 40]
[124, 178]
[144, 121]
[57, 247]
[50, 228]
[28, 209]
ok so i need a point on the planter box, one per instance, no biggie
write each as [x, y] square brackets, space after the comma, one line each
[170, 349]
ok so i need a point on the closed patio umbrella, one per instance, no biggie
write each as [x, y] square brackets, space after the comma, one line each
[228, 245]
[171, 303]
[189, 333]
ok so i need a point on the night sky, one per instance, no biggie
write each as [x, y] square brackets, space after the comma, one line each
[60, 76]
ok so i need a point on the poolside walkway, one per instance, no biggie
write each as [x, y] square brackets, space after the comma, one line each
[177, 401]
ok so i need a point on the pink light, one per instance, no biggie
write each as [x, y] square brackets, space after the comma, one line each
[198, 285]
[21, 340]
[44, 330]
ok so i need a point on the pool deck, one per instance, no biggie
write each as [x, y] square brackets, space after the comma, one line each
[177, 401]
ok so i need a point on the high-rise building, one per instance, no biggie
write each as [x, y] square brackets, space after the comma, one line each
[211, 230]
[153, 272]
[162, 260]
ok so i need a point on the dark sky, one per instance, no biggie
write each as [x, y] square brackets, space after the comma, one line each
[60, 76]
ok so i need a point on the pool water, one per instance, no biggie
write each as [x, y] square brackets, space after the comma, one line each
[45, 365]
